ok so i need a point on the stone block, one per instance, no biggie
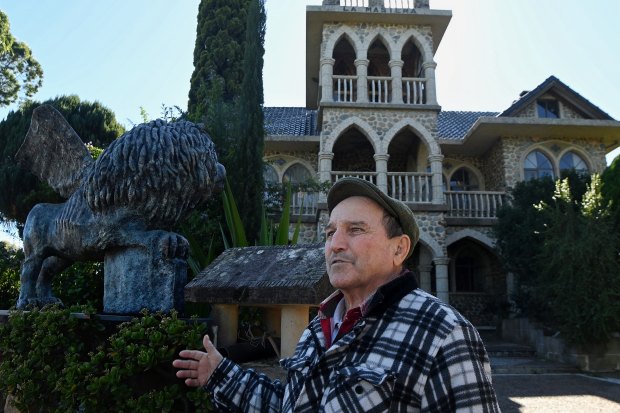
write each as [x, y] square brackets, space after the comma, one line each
[137, 278]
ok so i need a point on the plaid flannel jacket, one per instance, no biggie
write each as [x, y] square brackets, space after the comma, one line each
[409, 353]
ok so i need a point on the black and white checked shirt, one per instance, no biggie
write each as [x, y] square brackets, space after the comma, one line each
[409, 352]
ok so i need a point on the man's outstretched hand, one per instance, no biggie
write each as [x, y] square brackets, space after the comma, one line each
[196, 367]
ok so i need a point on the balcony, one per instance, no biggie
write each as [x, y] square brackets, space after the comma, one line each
[474, 204]
[416, 188]
[345, 89]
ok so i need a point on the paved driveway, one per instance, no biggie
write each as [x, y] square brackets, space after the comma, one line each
[565, 393]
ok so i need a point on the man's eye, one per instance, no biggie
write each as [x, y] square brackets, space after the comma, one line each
[356, 229]
[329, 234]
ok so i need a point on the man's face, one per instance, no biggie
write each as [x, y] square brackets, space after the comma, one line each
[358, 254]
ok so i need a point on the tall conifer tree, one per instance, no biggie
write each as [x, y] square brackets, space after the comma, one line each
[227, 95]
[248, 174]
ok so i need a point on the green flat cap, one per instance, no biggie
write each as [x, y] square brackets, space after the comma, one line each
[348, 187]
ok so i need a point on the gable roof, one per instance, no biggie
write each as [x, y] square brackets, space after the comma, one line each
[290, 121]
[263, 275]
[562, 90]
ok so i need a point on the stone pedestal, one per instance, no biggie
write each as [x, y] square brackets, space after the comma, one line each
[135, 279]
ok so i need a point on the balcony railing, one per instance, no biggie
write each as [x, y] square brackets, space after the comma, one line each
[345, 88]
[379, 90]
[410, 186]
[474, 204]
[368, 176]
[414, 90]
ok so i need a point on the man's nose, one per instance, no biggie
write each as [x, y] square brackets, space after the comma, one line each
[338, 240]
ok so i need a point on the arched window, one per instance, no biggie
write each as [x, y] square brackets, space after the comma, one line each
[463, 180]
[344, 82]
[379, 73]
[571, 160]
[344, 56]
[296, 174]
[536, 166]
[270, 176]
[412, 60]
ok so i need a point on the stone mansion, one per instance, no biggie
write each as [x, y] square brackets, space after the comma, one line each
[372, 112]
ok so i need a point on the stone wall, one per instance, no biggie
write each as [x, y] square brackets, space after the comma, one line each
[379, 122]
[479, 309]
[361, 34]
[515, 149]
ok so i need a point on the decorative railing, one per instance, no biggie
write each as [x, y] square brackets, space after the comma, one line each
[388, 4]
[414, 90]
[304, 203]
[379, 90]
[410, 186]
[474, 204]
[345, 88]
[368, 176]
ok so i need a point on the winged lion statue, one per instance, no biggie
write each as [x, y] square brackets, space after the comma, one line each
[138, 189]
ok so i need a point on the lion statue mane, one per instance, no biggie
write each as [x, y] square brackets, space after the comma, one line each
[138, 189]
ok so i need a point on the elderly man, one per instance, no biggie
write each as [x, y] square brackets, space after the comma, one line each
[378, 344]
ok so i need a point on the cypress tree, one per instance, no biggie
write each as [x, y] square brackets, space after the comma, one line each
[249, 154]
[227, 95]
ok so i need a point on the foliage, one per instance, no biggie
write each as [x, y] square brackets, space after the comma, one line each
[18, 68]
[218, 54]
[247, 161]
[10, 261]
[80, 284]
[610, 189]
[580, 267]
[519, 233]
[269, 233]
[19, 189]
[226, 95]
[130, 372]
[35, 347]
[556, 240]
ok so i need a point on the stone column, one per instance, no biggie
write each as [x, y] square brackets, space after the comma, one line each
[436, 162]
[226, 316]
[295, 318]
[429, 74]
[361, 66]
[425, 277]
[327, 84]
[397, 80]
[441, 277]
[381, 168]
[325, 169]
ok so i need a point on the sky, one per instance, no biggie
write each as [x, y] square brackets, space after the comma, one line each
[129, 54]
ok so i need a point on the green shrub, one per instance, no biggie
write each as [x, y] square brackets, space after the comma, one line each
[35, 346]
[54, 362]
[10, 262]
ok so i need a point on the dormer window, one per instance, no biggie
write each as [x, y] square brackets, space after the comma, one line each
[548, 108]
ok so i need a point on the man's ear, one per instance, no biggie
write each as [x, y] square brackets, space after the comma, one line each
[403, 244]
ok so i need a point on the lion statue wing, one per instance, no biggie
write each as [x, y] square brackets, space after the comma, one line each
[54, 152]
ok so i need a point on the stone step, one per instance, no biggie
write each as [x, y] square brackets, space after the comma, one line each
[509, 350]
[523, 365]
